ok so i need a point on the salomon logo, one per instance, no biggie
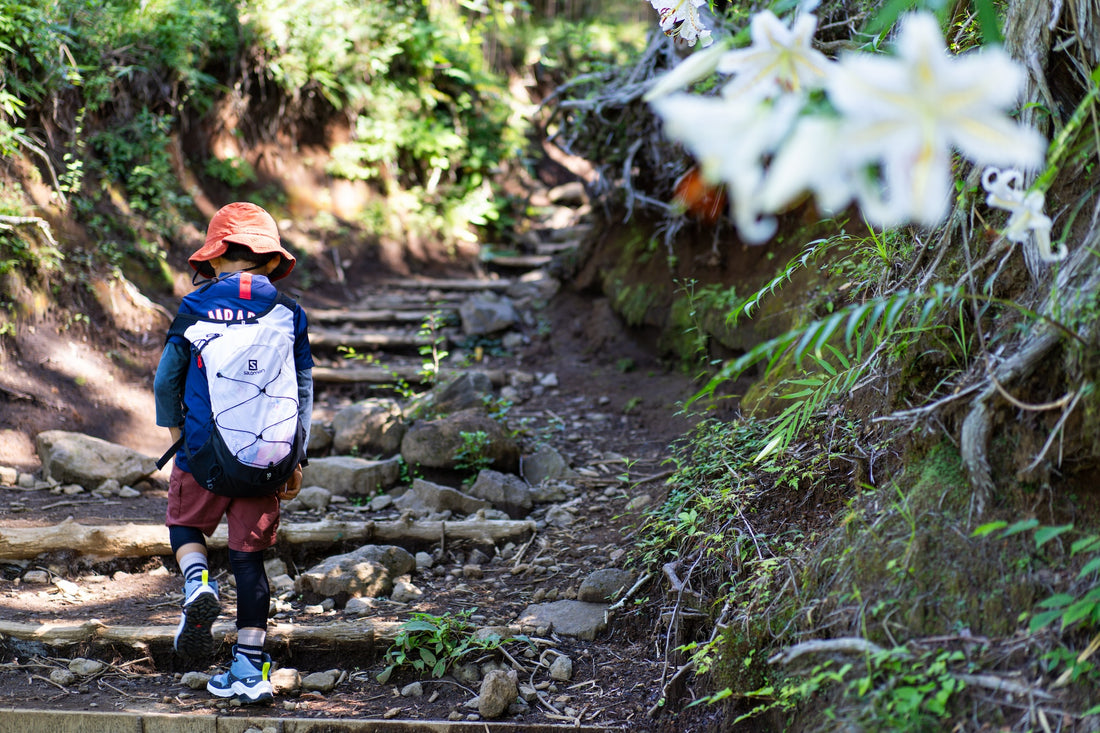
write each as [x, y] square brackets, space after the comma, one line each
[253, 368]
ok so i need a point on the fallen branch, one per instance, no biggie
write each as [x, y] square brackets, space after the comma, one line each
[146, 540]
[847, 645]
[364, 632]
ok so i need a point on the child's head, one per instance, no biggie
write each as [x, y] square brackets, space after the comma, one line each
[242, 232]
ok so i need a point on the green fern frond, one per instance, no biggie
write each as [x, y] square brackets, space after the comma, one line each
[871, 322]
[813, 249]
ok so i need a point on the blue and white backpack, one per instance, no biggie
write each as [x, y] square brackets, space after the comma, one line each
[257, 438]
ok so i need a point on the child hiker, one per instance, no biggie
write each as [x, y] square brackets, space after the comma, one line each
[234, 387]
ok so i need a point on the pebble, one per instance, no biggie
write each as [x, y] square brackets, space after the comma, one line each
[36, 577]
[85, 667]
[195, 680]
[413, 689]
[561, 669]
[62, 677]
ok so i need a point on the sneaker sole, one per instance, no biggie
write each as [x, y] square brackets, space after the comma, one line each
[194, 637]
[245, 694]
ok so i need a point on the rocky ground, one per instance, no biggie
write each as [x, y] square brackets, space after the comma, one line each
[589, 390]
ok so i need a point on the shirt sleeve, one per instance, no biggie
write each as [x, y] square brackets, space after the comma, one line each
[305, 399]
[168, 384]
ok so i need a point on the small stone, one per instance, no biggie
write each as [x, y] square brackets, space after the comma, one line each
[455, 716]
[359, 606]
[498, 691]
[558, 516]
[195, 680]
[404, 592]
[424, 561]
[62, 677]
[472, 572]
[561, 669]
[413, 689]
[391, 713]
[286, 679]
[638, 502]
[66, 586]
[320, 681]
[128, 492]
[467, 673]
[85, 667]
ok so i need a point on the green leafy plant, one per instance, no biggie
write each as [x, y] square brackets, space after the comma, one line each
[471, 455]
[432, 349]
[431, 644]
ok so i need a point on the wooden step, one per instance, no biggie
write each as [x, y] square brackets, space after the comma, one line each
[322, 338]
[391, 374]
[379, 316]
[444, 285]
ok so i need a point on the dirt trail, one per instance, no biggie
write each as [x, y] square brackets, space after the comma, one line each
[612, 414]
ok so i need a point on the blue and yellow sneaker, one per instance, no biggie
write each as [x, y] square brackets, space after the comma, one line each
[201, 606]
[244, 681]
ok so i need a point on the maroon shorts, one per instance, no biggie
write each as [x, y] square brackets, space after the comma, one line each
[252, 521]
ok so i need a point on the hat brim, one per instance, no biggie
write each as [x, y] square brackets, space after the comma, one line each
[260, 243]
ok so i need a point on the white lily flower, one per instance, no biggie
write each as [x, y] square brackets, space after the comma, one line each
[1006, 191]
[809, 161]
[731, 139]
[779, 59]
[907, 112]
[698, 65]
[681, 18]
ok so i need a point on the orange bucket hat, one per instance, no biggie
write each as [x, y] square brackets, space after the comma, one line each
[242, 223]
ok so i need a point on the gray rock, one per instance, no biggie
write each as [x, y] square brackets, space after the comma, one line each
[487, 313]
[369, 571]
[467, 674]
[504, 491]
[549, 491]
[380, 502]
[36, 577]
[404, 592]
[425, 497]
[85, 667]
[8, 475]
[423, 560]
[282, 583]
[315, 497]
[62, 677]
[349, 476]
[498, 690]
[463, 392]
[561, 669]
[195, 680]
[81, 459]
[438, 443]
[567, 618]
[286, 679]
[320, 439]
[373, 426]
[413, 689]
[559, 516]
[321, 681]
[359, 606]
[605, 586]
[546, 463]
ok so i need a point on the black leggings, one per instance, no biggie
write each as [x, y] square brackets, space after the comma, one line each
[253, 592]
